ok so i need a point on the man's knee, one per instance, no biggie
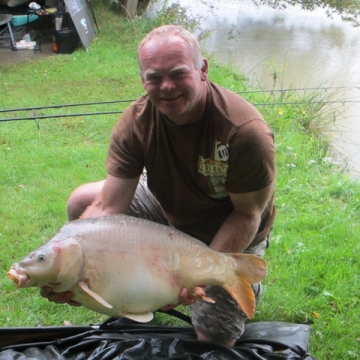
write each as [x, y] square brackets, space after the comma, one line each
[222, 322]
[81, 198]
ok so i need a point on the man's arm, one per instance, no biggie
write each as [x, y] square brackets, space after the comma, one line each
[115, 197]
[241, 226]
[239, 229]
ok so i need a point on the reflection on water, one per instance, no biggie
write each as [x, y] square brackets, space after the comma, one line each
[303, 49]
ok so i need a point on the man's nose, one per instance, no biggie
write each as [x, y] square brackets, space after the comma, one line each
[167, 84]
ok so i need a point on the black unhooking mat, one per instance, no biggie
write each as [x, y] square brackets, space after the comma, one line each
[123, 339]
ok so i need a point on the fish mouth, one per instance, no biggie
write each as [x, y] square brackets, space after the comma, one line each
[17, 277]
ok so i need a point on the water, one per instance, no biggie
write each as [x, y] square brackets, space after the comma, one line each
[303, 49]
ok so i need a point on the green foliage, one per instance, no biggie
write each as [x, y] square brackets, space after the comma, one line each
[313, 258]
[347, 9]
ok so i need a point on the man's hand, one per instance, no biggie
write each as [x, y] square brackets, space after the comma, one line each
[185, 298]
[58, 298]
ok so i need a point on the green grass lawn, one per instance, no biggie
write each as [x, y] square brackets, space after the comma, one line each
[313, 259]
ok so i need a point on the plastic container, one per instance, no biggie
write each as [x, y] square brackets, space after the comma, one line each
[21, 45]
[66, 41]
[58, 22]
[20, 20]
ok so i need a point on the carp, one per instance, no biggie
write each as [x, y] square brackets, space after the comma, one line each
[124, 266]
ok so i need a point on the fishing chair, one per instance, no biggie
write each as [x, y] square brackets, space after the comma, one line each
[5, 19]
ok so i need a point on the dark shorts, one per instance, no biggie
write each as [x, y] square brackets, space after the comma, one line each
[144, 205]
[222, 321]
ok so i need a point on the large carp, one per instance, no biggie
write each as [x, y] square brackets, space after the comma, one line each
[128, 267]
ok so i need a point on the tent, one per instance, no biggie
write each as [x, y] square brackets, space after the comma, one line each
[79, 11]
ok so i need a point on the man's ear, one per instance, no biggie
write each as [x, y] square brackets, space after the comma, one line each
[204, 70]
[143, 82]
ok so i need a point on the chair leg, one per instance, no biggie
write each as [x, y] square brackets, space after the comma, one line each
[12, 39]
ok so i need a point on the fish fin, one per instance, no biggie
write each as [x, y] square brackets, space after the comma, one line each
[254, 267]
[145, 317]
[69, 261]
[199, 293]
[250, 269]
[82, 285]
[243, 294]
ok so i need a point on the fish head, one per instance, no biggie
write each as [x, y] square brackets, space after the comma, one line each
[57, 264]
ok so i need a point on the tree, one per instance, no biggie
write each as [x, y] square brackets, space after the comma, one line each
[132, 8]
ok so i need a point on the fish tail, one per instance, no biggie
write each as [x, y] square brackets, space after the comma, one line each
[250, 269]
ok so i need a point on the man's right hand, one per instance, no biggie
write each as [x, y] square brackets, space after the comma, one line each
[58, 298]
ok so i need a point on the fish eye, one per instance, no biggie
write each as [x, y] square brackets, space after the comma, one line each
[41, 257]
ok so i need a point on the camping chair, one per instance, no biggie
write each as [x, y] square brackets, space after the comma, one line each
[5, 19]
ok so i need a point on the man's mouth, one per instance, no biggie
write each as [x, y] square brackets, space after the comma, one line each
[173, 98]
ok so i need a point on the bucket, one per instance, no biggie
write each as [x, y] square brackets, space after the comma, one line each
[66, 41]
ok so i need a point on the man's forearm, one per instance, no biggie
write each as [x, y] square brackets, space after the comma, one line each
[235, 234]
[96, 209]
[115, 197]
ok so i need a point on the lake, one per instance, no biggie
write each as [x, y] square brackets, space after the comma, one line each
[305, 49]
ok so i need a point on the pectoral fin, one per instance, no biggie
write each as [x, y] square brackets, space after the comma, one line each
[82, 285]
[146, 317]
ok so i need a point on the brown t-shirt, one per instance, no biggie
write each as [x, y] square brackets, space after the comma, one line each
[191, 169]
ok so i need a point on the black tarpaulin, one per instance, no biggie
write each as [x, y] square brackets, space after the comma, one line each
[127, 340]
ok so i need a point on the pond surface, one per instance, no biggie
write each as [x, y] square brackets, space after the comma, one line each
[304, 49]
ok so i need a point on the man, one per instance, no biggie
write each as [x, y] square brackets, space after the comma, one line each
[210, 167]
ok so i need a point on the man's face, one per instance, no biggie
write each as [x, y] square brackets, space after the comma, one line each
[171, 80]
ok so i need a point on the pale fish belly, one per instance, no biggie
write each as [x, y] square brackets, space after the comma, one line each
[130, 282]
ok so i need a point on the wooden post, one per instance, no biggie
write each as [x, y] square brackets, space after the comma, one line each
[142, 5]
[131, 8]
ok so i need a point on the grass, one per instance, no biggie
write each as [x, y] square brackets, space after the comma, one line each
[314, 254]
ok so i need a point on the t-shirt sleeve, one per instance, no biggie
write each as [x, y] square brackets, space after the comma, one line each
[251, 158]
[124, 158]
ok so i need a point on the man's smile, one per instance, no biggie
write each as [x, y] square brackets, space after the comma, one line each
[170, 98]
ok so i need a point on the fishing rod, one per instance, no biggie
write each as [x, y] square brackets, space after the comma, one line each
[66, 105]
[131, 100]
[308, 102]
[41, 117]
[301, 89]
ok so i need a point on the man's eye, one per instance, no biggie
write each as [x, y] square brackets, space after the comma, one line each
[153, 79]
[179, 75]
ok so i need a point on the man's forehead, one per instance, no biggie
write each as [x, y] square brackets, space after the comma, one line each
[169, 38]
[171, 44]
[165, 55]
